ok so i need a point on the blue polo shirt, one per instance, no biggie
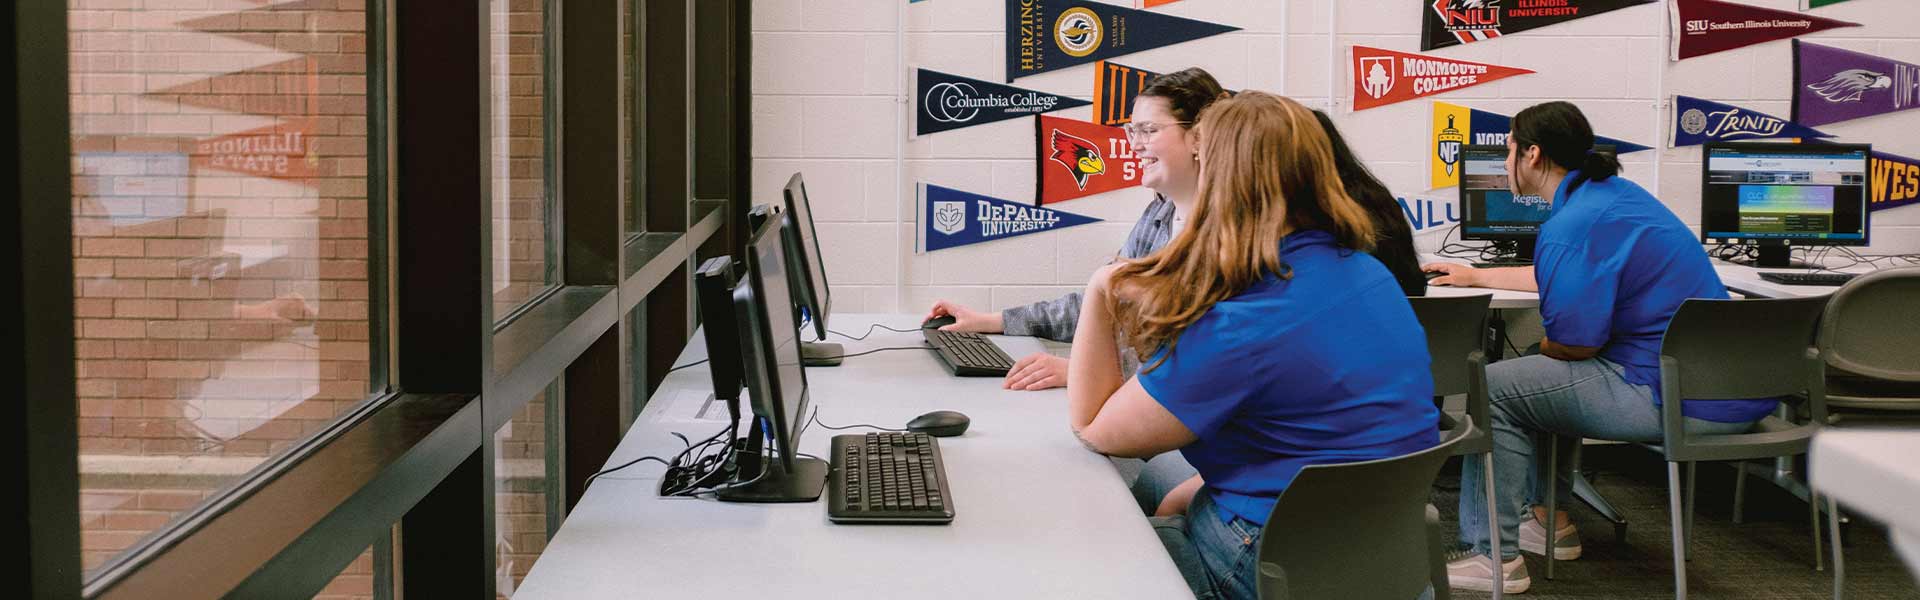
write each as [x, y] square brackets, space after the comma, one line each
[1328, 366]
[1613, 265]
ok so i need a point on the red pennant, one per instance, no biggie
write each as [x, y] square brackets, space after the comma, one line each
[1382, 77]
[1702, 27]
[282, 151]
[1078, 159]
[1153, 3]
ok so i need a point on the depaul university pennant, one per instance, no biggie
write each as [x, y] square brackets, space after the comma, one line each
[951, 218]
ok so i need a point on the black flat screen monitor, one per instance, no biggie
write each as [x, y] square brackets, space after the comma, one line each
[713, 288]
[803, 249]
[1489, 209]
[776, 382]
[1776, 195]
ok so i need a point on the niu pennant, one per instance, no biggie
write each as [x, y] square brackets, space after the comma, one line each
[951, 218]
[1701, 121]
[952, 102]
[1702, 27]
[1079, 159]
[1382, 77]
[1454, 22]
[1455, 127]
[1047, 35]
[1895, 181]
[1833, 85]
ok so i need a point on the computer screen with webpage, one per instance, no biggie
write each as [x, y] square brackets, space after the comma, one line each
[1809, 193]
[1490, 210]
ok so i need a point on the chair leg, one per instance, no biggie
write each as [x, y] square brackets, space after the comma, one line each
[1839, 562]
[1739, 491]
[1692, 492]
[1552, 477]
[1493, 531]
[1679, 531]
[1813, 517]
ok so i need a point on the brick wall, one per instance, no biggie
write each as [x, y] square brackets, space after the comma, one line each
[519, 139]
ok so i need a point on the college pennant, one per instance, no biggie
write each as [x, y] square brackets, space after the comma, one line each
[1455, 22]
[1813, 4]
[1456, 126]
[1702, 27]
[1896, 181]
[1833, 85]
[951, 218]
[1153, 3]
[950, 101]
[1382, 77]
[1114, 87]
[1700, 121]
[1048, 35]
[1077, 159]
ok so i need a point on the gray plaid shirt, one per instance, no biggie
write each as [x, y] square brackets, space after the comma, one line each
[1055, 319]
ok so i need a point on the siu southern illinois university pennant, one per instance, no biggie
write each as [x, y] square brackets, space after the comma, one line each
[1382, 77]
[1700, 121]
[1833, 85]
[1455, 22]
[1048, 35]
[951, 218]
[1702, 27]
[1078, 159]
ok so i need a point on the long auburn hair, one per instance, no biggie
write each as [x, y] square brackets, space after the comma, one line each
[1267, 170]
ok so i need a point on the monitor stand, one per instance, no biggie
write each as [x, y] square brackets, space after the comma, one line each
[1774, 256]
[821, 354]
[803, 484]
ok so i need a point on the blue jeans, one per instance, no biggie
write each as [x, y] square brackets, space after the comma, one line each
[1158, 476]
[1540, 394]
[1216, 555]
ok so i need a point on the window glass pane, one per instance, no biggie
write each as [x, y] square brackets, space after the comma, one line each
[353, 583]
[629, 79]
[220, 245]
[522, 263]
[520, 472]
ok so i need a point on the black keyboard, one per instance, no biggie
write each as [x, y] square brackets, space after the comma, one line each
[969, 354]
[1492, 265]
[1828, 279]
[888, 478]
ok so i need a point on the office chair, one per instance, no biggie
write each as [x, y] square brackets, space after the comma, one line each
[1867, 336]
[1454, 326]
[1358, 531]
[1724, 350]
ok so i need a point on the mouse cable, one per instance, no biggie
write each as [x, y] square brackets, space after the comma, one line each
[623, 466]
[814, 419]
[691, 364]
[869, 332]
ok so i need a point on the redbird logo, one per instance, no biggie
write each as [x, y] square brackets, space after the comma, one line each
[1079, 156]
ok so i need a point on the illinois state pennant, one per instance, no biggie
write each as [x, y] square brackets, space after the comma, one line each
[1701, 121]
[1702, 27]
[1382, 77]
[1114, 87]
[1048, 35]
[1456, 126]
[1833, 85]
[1896, 181]
[951, 102]
[1078, 159]
[950, 218]
[1455, 22]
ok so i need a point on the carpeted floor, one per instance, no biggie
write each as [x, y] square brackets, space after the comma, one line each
[1769, 556]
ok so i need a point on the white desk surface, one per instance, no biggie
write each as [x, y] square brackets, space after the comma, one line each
[1746, 281]
[1036, 514]
[1501, 298]
[1872, 471]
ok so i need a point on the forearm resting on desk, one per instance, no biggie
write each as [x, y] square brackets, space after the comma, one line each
[1110, 413]
[1093, 366]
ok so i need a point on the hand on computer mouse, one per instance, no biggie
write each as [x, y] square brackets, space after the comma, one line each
[1450, 274]
[964, 319]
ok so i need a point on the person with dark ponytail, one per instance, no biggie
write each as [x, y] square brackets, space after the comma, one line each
[1612, 265]
[1393, 235]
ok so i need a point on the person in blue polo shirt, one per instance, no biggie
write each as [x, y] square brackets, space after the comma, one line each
[1273, 341]
[1612, 265]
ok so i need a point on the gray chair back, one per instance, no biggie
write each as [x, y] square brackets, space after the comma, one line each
[1455, 326]
[1871, 328]
[1740, 349]
[1354, 530]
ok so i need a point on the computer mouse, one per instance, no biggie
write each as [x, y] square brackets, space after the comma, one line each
[938, 322]
[1432, 275]
[940, 423]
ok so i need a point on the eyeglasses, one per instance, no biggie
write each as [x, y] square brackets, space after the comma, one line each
[1142, 130]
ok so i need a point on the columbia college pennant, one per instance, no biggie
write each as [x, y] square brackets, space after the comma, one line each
[1382, 77]
[950, 218]
[1455, 22]
[1702, 27]
[1455, 127]
[1078, 159]
[952, 102]
[1701, 121]
[1833, 85]
[1048, 35]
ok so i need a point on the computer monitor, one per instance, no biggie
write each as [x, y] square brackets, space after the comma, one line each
[1775, 195]
[1489, 210]
[776, 382]
[713, 289]
[808, 274]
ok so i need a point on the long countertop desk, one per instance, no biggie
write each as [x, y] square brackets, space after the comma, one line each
[1872, 471]
[1740, 279]
[1036, 514]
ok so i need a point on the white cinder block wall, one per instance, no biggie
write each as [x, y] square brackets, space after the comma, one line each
[829, 80]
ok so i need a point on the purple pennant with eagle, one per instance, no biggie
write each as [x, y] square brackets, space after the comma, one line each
[1833, 85]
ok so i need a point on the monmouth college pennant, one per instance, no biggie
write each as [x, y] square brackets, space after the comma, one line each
[1455, 127]
[952, 102]
[951, 218]
[1896, 181]
[1382, 77]
[1702, 27]
[1078, 159]
[1048, 35]
[1455, 22]
[1831, 85]
[1700, 121]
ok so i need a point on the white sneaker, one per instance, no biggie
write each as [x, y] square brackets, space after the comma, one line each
[1533, 539]
[1469, 571]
